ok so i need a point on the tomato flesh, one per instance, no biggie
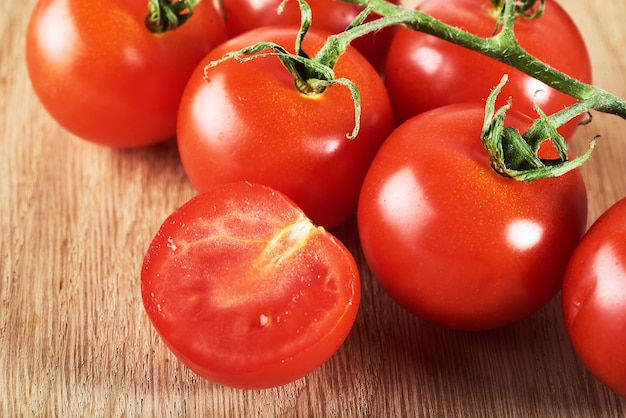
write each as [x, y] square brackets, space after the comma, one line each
[594, 298]
[246, 291]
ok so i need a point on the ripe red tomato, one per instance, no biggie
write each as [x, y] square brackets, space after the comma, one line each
[102, 75]
[245, 290]
[423, 72]
[332, 16]
[453, 241]
[594, 298]
[248, 121]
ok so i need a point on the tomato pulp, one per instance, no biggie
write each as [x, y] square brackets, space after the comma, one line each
[455, 242]
[245, 290]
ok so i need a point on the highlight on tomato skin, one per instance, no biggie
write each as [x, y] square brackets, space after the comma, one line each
[245, 290]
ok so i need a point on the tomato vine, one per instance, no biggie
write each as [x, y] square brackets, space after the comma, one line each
[314, 74]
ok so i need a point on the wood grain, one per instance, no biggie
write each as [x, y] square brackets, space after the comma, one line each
[75, 220]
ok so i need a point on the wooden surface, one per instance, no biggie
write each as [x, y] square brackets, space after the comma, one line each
[75, 220]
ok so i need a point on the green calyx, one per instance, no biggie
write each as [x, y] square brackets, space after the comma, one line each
[515, 155]
[312, 76]
[166, 15]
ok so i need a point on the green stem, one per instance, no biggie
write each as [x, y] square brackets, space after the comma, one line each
[336, 44]
[538, 130]
[502, 46]
[512, 154]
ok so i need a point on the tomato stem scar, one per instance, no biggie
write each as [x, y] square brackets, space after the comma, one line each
[166, 15]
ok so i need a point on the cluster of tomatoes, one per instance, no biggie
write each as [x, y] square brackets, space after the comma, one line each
[264, 293]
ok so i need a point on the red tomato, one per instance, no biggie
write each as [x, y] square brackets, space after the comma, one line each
[332, 16]
[245, 290]
[102, 75]
[594, 298]
[249, 122]
[423, 72]
[453, 241]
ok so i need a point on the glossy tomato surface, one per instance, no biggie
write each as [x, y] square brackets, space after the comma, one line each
[453, 241]
[332, 16]
[423, 72]
[246, 121]
[594, 298]
[103, 76]
[245, 290]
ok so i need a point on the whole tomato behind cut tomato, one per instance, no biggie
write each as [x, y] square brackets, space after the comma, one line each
[103, 76]
[245, 290]
[332, 16]
[594, 298]
[453, 241]
[248, 122]
[423, 72]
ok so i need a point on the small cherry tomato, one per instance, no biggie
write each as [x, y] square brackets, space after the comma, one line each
[452, 240]
[245, 290]
[247, 121]
[594, 298]
[103, 76]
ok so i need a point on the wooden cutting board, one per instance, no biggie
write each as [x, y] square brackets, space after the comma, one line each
[75, 220]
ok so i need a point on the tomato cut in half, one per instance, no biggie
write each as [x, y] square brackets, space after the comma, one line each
[245, 290]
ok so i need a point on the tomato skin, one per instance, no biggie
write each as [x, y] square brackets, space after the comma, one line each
[453, 241]
[248, 122]
[594, 298]
[332, 16]
[245, 290]
[423, 72]
[103, 76]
